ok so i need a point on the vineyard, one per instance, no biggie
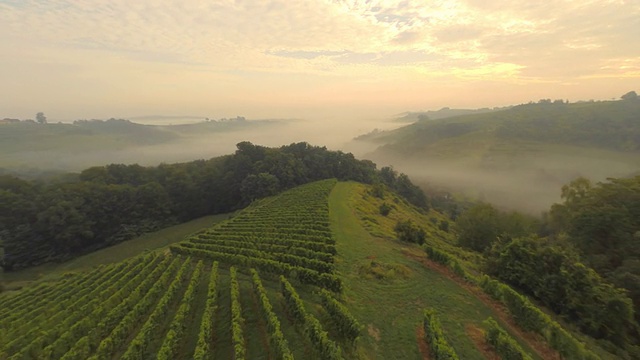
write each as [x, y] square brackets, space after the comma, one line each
[294, 276]
[252, 287]
[286, 235]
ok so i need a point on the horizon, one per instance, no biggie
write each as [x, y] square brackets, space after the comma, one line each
[163, 119]
[312, 60]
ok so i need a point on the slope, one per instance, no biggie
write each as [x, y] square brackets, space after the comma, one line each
[391, 300]
[609, 124]
[388, 283]
[517, 157]
[156, 305]
[112, 254]
[292, 276]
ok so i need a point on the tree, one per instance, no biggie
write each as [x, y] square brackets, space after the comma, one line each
[40, 118]
[554, 275]
[631, 95]
[258, 186]
[478, 227]
[388, 176]
[482, 225]
[573, 195]
[602, 221]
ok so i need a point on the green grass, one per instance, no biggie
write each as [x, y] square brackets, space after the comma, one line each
[390, 308]
[150, 241]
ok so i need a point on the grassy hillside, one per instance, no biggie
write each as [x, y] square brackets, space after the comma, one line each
[410, 117]
[255, 287]
[611, 125]
[517, 157]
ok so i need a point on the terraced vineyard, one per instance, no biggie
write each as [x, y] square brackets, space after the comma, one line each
[229, 292]
[287, 235]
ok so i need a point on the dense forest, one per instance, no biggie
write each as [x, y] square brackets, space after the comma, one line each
[56, 219]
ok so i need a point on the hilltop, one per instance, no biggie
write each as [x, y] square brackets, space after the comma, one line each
[315, 272]
[445, 112]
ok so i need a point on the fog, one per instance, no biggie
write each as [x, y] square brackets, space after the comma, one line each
[335, 133]
[528, 181]
[531, 185]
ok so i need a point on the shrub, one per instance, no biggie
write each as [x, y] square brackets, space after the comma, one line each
[385, 209]
[409, 232]
[444, 226]
[438, 346]
[504, 344]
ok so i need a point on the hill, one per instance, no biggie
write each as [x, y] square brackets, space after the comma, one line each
[517, 157]
[410, 117]
[47, 220]
[26, 145]
[315, 272]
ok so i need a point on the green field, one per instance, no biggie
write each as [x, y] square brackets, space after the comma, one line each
[252, 287]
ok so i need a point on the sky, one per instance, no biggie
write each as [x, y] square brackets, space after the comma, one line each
[75, 59]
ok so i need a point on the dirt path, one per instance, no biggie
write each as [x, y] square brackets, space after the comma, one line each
[535, 342]
[477, 336]
[422, 343]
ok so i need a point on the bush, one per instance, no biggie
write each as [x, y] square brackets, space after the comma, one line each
[529, 317]
[385, 209]
[377, 190]
[554, 275]
[447, 260]
[438, 346]
[504, 344]
[409, 232]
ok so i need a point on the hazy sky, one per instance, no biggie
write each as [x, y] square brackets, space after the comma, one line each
[295, 58]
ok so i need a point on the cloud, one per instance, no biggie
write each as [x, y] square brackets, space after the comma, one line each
[306, 54]
[232, 43]
[407, 37]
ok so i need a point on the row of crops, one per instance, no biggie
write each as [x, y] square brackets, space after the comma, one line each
[287, 235]
[167, 307]
[240, 290]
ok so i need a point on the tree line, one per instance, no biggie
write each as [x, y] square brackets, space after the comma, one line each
[581, 259]
[58, 219]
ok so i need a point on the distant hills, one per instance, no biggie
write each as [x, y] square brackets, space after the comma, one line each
[26, 145]
[17, 136]
[445, 112]
[520, 154]
[611, 124]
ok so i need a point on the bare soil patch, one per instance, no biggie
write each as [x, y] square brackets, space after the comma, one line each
[477, 336]
[425, 352]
